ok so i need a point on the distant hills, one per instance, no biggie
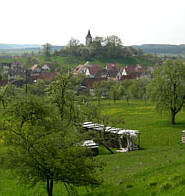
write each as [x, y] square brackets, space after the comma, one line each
[18, 46]
[24, 46]
[165, 49]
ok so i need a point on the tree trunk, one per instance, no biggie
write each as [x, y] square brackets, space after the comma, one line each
[49, 186]
[173, 117]
[127, 100]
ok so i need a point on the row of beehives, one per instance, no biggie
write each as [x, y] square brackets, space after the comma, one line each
[123, 140]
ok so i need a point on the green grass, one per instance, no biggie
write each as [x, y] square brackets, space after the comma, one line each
[157, 169]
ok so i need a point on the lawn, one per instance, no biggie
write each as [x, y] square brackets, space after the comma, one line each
[157, 169]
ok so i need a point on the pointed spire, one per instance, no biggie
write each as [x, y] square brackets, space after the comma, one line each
[89, 34]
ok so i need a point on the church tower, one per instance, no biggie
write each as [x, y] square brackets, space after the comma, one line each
[88, 38]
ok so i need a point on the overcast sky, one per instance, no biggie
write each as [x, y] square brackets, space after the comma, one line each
[56, 21]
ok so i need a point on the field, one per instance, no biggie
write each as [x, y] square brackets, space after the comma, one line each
[157, 169]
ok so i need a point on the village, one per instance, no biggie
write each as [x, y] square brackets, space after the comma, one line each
[16, 73]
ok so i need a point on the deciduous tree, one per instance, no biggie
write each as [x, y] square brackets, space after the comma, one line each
[167, 88]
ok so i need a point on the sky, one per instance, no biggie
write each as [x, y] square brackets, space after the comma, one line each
[57, 21]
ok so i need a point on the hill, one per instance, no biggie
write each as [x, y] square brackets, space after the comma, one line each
[19, 49]
[162, 49]
[18, 46]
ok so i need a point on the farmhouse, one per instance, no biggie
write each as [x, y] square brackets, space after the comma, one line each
[45, 67]
[88, 69]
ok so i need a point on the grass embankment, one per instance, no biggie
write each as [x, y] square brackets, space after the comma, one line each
[157, 169]
[72, 62]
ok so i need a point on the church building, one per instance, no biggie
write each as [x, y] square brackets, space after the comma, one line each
[88, 38]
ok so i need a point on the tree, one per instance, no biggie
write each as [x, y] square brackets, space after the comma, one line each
[73, 43]
[114, 92]
[38, 88]
[129, 51]
[167, 88]
[43, 148]
[125, 89]
[113, 45]
[31, 60]
[101, 89]
[6, 94]
[47, 50]
[138, 89]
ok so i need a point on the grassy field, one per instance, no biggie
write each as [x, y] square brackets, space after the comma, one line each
[157, 169]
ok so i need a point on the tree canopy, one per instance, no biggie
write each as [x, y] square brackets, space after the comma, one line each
[44, 143]
[167, 88]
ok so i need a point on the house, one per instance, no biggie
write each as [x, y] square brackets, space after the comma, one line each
[35, 68]
[131, 72]
[87, 85]
[45, 67]
[88, 69]
[15, 74]
[109, 74]
[44, 76]
[131, 69]
[78, 69]
[18, 66]
[101, 74]
[91, 69]
[13, 70]
[112, 66]
[150, 69]
[89, 82]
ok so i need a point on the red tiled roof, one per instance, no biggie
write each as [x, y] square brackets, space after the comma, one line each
[88, 82]
[134, 68]
[94, 69]
[77, 69]
[149, 68]
[34, 67]
[101, 74]
[45, 76]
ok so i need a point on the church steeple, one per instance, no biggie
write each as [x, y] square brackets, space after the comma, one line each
[88, 38]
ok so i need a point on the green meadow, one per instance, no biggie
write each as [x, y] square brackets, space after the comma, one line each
[158, 168]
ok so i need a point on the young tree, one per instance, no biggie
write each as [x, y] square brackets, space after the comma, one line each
[115, 92]
[6, 94]
[138, 89]
[125, 89]
[167, 88]
[43, 149]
